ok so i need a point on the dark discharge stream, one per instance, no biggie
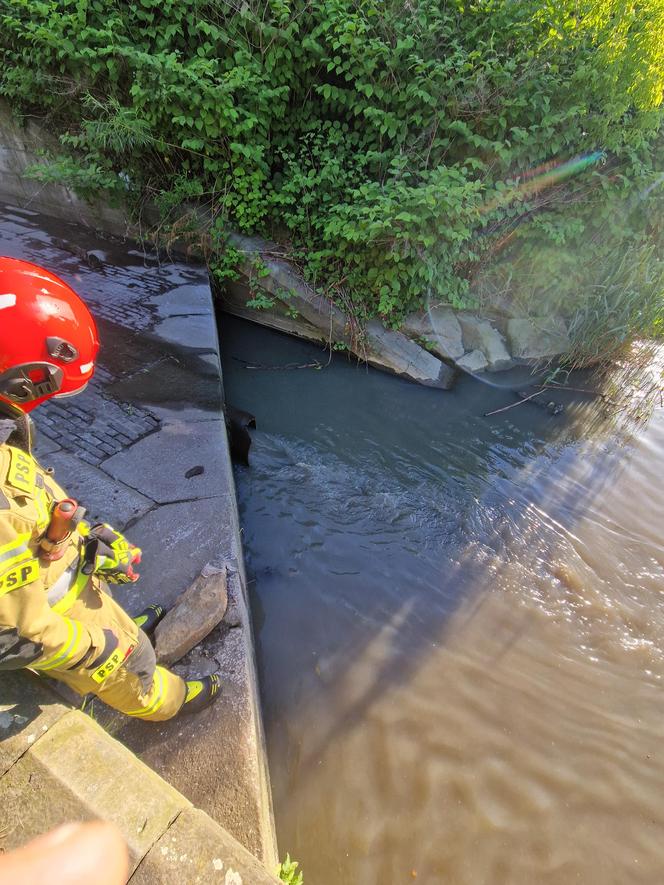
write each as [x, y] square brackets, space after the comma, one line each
[458, 626]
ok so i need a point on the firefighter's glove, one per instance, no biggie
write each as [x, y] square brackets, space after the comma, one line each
[110, 555]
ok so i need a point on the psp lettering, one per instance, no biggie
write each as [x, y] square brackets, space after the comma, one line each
[17, 577]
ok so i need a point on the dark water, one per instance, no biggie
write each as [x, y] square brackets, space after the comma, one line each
[458, 626]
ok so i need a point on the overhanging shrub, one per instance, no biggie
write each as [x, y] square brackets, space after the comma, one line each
[396, 148]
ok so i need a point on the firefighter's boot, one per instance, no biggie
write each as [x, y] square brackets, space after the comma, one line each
[201, 693]
[150, 617]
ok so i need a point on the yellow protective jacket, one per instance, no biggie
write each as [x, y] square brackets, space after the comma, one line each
[55, 618]
[35, 594]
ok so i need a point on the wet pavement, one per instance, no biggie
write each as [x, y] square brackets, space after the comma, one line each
[145, 449]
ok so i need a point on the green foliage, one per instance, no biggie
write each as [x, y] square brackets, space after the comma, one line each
[260, 301]
[225, 264]
[399, 152]
[288, 872]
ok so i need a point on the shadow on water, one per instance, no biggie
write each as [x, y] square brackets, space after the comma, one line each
[376, 511]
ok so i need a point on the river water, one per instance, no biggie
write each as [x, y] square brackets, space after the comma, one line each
[460, 627]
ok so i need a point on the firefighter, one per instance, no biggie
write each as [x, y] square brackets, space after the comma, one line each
[56, 612]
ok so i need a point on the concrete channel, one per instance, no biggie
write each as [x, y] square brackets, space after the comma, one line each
[145, 448]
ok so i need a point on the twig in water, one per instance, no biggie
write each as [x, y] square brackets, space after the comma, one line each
[573, 389]
[598, 393]
[514, 405]
[315, 365]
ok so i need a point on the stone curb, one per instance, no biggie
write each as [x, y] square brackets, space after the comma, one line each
[60, 766]
[195, 849]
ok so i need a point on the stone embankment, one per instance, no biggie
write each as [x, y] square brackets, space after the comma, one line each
[144, 447]
[429, 346]
[298, 309]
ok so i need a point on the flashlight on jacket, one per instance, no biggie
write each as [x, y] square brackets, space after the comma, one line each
[65, 516]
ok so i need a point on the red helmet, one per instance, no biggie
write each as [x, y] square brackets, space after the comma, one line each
[48, 339]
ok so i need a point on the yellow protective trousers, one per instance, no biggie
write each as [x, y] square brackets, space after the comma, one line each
[131, 681]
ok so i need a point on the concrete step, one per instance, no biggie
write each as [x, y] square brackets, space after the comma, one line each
[58, 765]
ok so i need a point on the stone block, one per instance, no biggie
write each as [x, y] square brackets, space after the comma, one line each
[195, 614]
[236, 614]
[534, 338]
[472, 362]
[106, 499]
[78, 772]
[27, 710]
[177, 541]
[479, 334]
[193, 330]
[185, 299]
[197, 851]
[176, 388]
[160, 465]
[440, 327]
[397, 353]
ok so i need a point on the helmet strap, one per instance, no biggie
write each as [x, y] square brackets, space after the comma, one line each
[18, 387]
[16, 428]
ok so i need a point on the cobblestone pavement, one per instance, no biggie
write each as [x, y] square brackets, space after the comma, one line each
[94, 426]
[126, 448]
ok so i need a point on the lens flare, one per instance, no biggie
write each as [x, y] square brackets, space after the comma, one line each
[535, 180]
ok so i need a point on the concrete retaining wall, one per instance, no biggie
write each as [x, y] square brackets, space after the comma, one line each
[21, 147]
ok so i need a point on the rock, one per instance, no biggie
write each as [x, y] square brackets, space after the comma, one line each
[195, 614]
[479, 334]
[475, 361]
[233, 617]
[534, 338]
[95, 258]
[441, 329]
[397, 353]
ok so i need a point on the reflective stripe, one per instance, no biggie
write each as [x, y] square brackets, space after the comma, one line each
[193, 690]
[158, 700]
[42, 503]
[59, 588]
[16, 548]
[66, 653]
[71, 595]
